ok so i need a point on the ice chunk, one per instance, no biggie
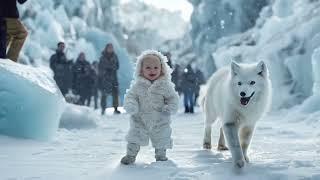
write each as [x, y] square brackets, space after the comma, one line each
[78, 117]
[30, 102]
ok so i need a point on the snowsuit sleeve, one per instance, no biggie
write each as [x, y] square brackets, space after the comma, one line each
[171, 100]
[131, 104]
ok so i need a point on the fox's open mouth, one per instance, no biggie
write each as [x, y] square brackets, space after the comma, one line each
[245, 100]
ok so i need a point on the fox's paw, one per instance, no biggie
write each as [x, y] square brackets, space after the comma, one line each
[222, 148]
[247, 159]
[207, 145]
[240, 163]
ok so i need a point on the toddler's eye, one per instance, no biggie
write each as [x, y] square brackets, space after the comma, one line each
[252, 82]
[239, 83]
[147, 67]
[155, 67]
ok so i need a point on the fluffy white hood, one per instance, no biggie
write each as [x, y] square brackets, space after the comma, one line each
[166, 70]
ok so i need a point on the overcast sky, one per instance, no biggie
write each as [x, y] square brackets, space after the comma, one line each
[172, 5]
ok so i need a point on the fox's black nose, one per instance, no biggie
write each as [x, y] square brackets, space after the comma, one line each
[242, 94]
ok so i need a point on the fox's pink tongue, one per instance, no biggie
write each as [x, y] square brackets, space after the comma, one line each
[244, 101]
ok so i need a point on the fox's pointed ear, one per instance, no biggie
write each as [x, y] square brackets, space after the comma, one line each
[262, 69]
[234, 68]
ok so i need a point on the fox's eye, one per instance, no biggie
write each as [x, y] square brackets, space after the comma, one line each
[239, 83]
[252, 82]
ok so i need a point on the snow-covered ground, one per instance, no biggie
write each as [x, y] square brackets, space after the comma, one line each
[284, 147]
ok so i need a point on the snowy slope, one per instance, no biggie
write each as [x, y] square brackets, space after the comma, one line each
[281, 149]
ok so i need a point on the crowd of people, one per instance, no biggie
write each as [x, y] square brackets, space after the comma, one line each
[187, 82]
[85, 79]
[99, 79]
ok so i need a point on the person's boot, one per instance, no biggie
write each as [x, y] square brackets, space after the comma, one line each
[160, 155]
[186, 109]
[191, 110]
[116, 111]
[132, 151]
[103, 111]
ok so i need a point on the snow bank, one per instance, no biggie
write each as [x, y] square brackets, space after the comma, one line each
[31, 104]
[78, 117]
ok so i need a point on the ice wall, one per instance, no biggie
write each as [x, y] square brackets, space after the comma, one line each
[285, 37]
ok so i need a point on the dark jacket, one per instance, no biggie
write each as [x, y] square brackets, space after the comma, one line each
[82, 82]
[188, 79]
[94, 77]
[8, 8]
[199, 80]
[62, 71]
[176, 78]
[107, 72]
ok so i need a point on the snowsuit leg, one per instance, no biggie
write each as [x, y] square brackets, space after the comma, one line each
[138, 132]
[132, 152]
[160, 135]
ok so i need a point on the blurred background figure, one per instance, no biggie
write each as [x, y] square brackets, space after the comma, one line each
[176, 78]
[199, 81]
[108, 80]
[94, 76]
[188, 88]
[168, 55]
[82, 79]
[15, 30]
[61, 68]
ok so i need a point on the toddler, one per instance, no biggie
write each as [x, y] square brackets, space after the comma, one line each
[150, 101]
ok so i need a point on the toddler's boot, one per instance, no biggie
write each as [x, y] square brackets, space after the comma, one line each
[160, 155]
[132, 151]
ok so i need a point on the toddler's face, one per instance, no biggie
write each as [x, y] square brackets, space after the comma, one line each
[151, 68]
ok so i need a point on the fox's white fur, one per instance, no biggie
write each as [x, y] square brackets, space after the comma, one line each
[238, 95]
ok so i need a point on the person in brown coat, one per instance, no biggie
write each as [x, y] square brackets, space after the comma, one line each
[16, 32]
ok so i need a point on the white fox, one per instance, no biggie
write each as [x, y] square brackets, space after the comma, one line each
[238, 95]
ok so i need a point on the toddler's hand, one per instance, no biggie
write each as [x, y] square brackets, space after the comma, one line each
[166, 109]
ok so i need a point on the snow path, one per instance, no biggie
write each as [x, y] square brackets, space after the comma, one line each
[280, 150]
